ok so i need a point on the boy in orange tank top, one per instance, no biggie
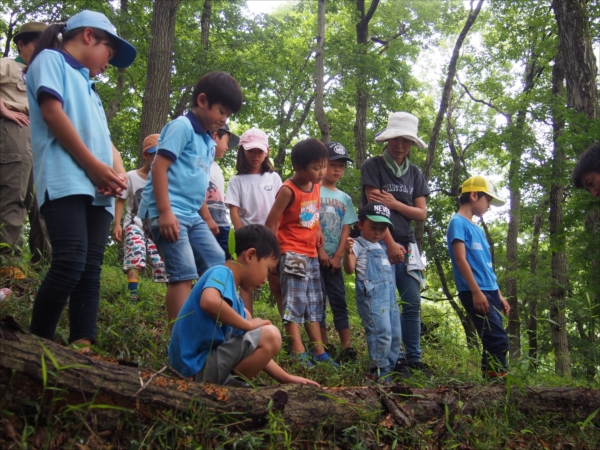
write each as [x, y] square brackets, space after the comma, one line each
[296, 210]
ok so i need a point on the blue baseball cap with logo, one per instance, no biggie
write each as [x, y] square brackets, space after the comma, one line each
[126, 52]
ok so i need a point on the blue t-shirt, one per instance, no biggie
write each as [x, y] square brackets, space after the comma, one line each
[477, 251]
[55, 170]
[195, 333]
[336, 211]
[192, 151]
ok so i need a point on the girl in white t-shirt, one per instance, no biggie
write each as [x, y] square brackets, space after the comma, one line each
[251, 193]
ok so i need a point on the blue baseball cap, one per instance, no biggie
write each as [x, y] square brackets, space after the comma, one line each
[126, 52]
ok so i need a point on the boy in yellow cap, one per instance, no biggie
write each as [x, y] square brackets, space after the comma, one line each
[17, 197]
[474, 273]
[137, 244]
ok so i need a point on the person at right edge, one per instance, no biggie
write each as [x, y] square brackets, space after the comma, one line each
[17, 194]
[392, 180]
[474, 273]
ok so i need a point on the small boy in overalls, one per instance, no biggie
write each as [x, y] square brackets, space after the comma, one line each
[375, 290]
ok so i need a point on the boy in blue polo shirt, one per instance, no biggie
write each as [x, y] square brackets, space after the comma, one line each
[474, 273]
[177, 186]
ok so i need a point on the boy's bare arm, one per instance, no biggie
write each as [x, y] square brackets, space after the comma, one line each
[168, 223]
[282, 201]
[336, 260]
[277, 373]
[205, 214]
[349, 256]
[234, 213]
[117, 229]
[215, 306]
[480, 302]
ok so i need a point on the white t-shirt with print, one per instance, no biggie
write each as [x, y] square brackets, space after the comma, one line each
[254, 195]
[133, 196]
[215, 194]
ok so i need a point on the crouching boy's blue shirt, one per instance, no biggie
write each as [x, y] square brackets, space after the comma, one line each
[195, 333]
[477, 251]
[185, 142]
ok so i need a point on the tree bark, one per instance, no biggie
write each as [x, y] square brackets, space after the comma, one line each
[33, 370]
[558, 322]
[155, 104]
[532, 322]
[320, 73]
[115, 104]
[362, 90]
[575, 39]
[419, 228]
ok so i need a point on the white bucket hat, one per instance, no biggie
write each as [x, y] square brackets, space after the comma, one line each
[401, 124]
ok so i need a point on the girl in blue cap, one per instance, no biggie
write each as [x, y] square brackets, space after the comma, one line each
[77, 170]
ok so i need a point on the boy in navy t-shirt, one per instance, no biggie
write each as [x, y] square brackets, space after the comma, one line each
[214, 338]
[474, 273]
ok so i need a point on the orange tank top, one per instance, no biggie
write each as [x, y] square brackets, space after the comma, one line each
[299, 222]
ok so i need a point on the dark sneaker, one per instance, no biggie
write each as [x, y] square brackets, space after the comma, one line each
[302, 359]
[401, 369]
[323, 357]
[418, 366]
[347, 355]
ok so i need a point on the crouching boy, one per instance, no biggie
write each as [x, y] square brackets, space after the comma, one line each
[214, 338]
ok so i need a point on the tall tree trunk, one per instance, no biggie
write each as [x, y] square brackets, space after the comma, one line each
[575, 39]
[444, 106]
[532, 322]
[319, 82]
[558, 322]
[155, 104]
[362, 90]
[115, 104]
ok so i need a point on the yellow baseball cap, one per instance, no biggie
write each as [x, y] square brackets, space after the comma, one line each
[480, 184]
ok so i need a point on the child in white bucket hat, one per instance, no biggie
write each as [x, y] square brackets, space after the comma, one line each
[391, 179]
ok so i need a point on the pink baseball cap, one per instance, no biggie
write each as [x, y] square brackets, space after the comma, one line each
[255, 138]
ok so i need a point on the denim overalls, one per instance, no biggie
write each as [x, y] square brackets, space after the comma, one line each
[378, 309]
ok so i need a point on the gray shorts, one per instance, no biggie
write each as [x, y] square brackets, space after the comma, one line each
[227, 356]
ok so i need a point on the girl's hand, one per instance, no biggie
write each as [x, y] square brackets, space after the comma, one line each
[106, 179]
[395, 253]
[118, 232]
[349, 244]
[301, 380]
[168, 226]
[17, 117]
[384, 197]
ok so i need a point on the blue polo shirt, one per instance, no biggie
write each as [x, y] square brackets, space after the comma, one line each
[477, 252]
[55, 171]
[192, 151]
[195, 333]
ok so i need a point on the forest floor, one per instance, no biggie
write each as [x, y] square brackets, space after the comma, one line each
[136, 333]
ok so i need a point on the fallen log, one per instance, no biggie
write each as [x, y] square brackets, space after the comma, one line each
[33, 370]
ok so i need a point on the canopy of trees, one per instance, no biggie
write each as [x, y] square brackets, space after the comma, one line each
[507, 89]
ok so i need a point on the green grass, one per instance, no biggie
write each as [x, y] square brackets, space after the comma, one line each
[137, 332]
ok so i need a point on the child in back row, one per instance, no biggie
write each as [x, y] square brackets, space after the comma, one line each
[177, 185]
[136, 243]
[474, 273]
[213, 209]
[296, 210]
[251, 192]
[77, 170]
[375, 290]
[337, 215]
[214, 339]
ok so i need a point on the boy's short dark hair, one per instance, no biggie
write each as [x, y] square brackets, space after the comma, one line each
[308, 151]
[466, 197]
[219, 87]
[588, 162]
[259, 238]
